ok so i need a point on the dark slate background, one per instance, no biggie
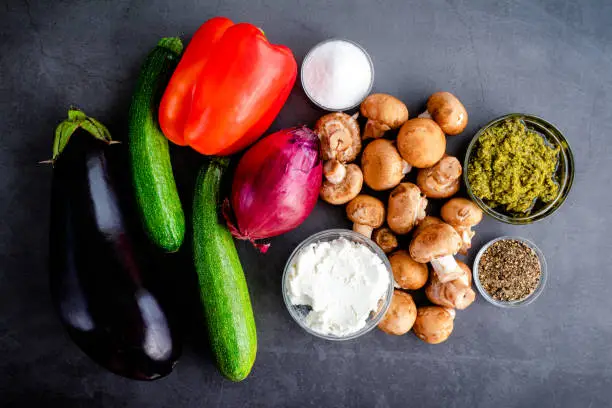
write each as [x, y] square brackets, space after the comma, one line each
[552, 59]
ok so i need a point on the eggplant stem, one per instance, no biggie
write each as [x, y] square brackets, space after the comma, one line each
[77, 119]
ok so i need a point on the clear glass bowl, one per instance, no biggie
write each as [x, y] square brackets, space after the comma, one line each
[516, 303]
[564, 173]
[309, 54]
[299, 312]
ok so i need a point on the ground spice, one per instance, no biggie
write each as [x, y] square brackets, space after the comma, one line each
[509, 270]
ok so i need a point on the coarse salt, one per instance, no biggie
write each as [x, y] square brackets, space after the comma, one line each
[337, 74]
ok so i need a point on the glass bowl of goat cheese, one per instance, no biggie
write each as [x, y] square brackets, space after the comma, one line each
[337, 284]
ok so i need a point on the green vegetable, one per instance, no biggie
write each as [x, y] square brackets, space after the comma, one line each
[156, 193]
[513, 167]
[224, 293]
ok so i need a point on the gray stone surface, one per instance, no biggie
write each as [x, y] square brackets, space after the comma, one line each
[552, 59]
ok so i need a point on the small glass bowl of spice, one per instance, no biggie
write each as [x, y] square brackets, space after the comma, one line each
[519, 168]
[510, 272]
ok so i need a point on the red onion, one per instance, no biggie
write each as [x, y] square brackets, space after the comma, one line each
[276, 185]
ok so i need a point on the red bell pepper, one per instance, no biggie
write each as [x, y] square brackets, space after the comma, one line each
[176, 102]
[243, 84]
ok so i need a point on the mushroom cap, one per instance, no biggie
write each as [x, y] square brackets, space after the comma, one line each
[344, 191]
[386, 109]
[442, 180]
[421, 142]
[461, 212]
[408, 273]
[366, 210]
[428, 220]
[382, 165]
[406, 208]
[433, 324]
[448, 112]
[435, 241]
[385, 239]
[400, 316]
[340, 137]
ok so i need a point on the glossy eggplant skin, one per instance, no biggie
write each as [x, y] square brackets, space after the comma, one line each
[96, 274]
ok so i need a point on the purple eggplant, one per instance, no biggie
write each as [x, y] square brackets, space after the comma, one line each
[97, 277]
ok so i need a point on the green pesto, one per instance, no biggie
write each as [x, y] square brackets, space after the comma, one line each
[512, 167]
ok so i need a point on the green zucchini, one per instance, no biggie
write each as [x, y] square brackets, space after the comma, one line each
[156, 193]
[223, 288]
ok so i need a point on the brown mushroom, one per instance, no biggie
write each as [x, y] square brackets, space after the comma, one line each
[340, 137]
[421, 142]
[385, 239]
[346, 190]
[428, 220]
[383, 168]
[456, 294]
[408, 273]
[462, 214]
[367, 213]
[400, 316]
[406, 208]
[442, 180]
[433, 324]
[334, 171]
[384, 112]
[340, 143]
[467, 273]
[437, 244]
[447, 111]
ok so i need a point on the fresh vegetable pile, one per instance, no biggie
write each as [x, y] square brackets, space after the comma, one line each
[219, 97]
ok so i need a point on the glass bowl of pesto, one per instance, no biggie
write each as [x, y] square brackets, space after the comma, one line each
[518, 168]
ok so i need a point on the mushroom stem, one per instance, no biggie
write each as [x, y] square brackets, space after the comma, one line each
[447, 170]
[451, 312]
[374, 129]
[420, 213]
[344, 191]
[334, 171]
[466, 234]
[446, 268]
[363, 229]
[456, 294]
[385, 239]
[425, 114]
[340, 137]
[406, 168]
[423, 206]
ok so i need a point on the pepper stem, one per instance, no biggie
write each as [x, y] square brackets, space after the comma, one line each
[77, 120]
